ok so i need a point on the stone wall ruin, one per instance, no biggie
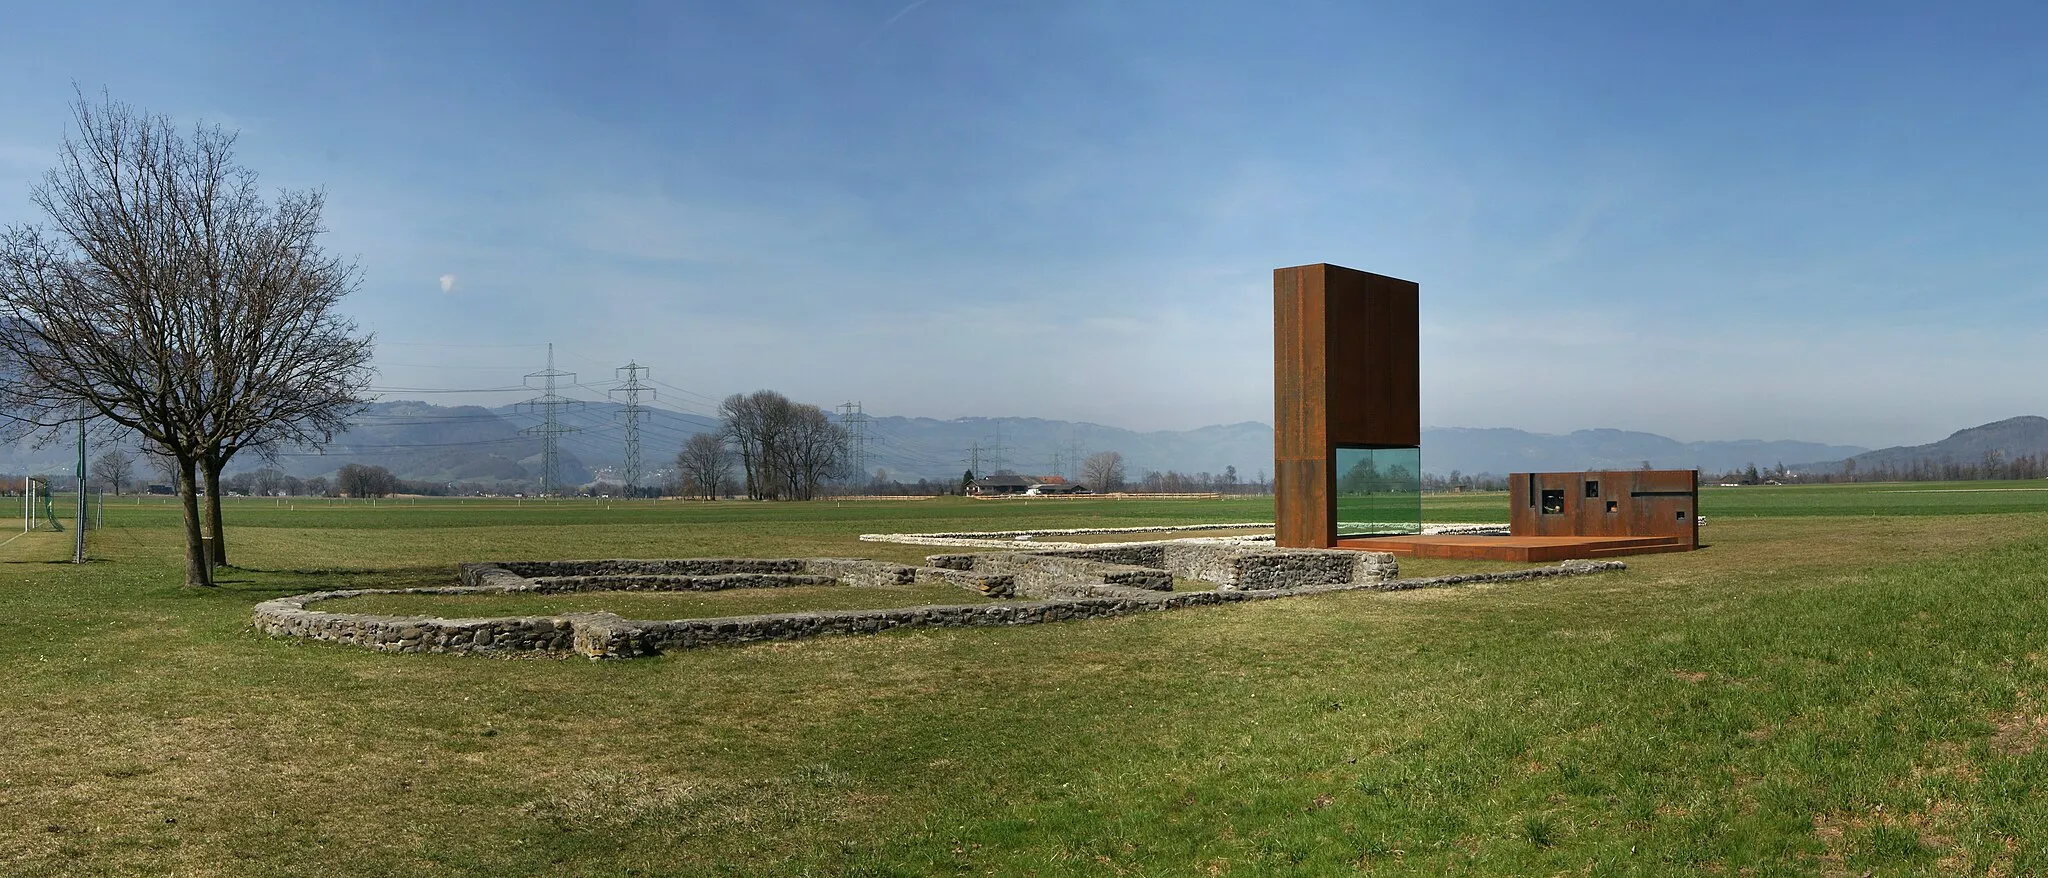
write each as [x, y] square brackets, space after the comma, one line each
[1055, 585]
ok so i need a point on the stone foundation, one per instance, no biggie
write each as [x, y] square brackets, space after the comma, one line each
[1065, 585]
[1226, 565]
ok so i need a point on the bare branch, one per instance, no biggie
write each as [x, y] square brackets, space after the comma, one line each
[166, 295]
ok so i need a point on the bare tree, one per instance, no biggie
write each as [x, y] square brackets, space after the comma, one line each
[752, 424]
[786, 448]
[705, 462]
[363, 480]
[268, 481]
[287, 367]
[169, 297]
[114, 468]
[160, 464]
[810, 450]
[1103, 471]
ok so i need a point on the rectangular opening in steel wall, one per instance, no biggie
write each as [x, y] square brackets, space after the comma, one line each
[1379, 490]
[1553, 502]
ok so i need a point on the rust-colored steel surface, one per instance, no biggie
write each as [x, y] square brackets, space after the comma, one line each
[1524, 549]
[1614, 503]
[1345, 372]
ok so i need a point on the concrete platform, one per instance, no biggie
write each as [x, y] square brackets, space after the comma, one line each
[1525, 549]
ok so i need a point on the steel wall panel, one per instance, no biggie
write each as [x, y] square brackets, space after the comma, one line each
[1345, 370]
[1647, 503]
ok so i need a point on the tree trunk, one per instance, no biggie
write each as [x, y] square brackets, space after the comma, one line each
[196, 572]
[220, 544]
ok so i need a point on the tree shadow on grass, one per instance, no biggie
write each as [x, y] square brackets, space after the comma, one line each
[416, 571]
[269, 583]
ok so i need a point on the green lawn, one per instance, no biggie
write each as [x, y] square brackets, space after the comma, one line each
[1847, 680]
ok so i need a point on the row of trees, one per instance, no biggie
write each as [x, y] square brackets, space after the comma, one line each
[786, 450]
[167, 297]
[1992, 465]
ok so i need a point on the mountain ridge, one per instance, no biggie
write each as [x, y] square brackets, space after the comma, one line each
[2014, 437]
[424, 441]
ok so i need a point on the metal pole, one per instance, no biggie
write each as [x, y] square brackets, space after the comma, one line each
[78, 539]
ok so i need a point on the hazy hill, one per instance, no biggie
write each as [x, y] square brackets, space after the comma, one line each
[1502, 450]
[423, 441]
[427, 442]
[2012, 437]
[925, 447]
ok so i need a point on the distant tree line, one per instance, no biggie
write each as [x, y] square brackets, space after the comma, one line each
[1993, 465]
[1433, 483]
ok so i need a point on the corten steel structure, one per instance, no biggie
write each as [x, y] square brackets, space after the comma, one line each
[1348, 434]
[1616, 503]
[1345, 376]
[1557, 516]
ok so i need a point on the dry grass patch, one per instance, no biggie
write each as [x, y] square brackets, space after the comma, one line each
[1692, 715]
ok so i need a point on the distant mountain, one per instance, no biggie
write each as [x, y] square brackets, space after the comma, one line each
[492, 446]
[2026, 435]
[916, 444]
[427, 442]
[912, 448]
[1502, 450]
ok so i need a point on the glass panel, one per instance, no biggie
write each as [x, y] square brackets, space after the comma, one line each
[1379, 491]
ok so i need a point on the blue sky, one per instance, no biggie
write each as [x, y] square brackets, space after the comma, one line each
[1708, 220]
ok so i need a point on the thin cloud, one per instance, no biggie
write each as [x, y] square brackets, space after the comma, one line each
[447, 283]
[900, 13]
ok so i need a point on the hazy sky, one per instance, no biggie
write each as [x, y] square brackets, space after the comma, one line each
[1708, 220]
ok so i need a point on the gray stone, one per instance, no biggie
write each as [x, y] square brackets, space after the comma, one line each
[1075, 584]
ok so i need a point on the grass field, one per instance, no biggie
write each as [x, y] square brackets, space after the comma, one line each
[1848, 680]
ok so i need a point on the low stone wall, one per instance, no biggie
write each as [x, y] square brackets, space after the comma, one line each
[993, 585]
[658, 582]
[1228, 565]
[606, 635]
[532, 634]
[860, 571]
[664, 567]
[1039, 575]
[1290, 568]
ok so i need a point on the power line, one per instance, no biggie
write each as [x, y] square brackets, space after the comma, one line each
[443, 344]
[856, 424]
[548, 404]
[632, 388]
[450, 390]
